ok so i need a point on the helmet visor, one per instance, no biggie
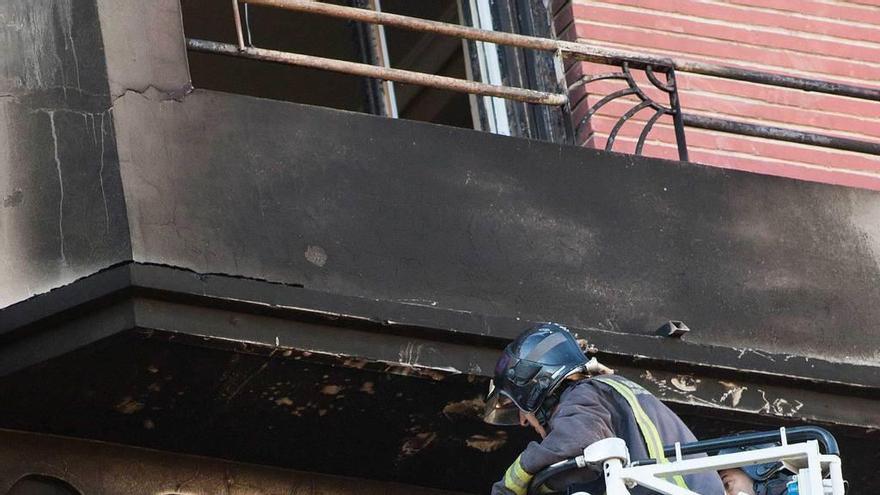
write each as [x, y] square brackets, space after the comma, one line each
[500, 409]
[757, 472]
[762, 472]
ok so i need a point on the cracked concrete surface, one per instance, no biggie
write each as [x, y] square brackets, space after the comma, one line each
[63, 217]
[66, 67]
[156, 62]
[60, 185]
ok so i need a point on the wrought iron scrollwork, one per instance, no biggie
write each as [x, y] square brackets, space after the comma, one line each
[632, 88]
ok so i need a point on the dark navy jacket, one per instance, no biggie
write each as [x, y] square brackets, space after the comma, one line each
[590, 411]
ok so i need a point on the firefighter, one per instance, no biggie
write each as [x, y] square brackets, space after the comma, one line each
[544, 380]
[771, 478]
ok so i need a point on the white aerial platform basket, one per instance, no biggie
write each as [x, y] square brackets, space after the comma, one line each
[817, 473]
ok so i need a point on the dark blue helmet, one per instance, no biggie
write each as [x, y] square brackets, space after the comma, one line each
[529, 370]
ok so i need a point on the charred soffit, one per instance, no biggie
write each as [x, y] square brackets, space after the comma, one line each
[277, 374]
[291, 409]
[280, 409]
[281, 316]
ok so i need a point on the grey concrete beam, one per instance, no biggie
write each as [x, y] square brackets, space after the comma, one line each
[252, 316]
[98, 467]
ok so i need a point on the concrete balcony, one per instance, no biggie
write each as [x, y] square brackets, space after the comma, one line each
[268, 282]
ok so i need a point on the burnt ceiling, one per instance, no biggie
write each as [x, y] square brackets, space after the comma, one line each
[294, 409]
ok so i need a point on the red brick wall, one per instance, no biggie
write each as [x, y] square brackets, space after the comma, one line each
[821, 39]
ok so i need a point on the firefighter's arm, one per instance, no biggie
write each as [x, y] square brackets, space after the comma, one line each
[515, 481]
[579, 421]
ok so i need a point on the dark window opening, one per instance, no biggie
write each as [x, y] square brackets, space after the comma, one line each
[296, 32]
[429, 53]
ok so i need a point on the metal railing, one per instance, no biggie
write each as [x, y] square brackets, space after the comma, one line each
[578, 51]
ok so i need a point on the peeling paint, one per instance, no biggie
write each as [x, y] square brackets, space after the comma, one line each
[331, 389]
[316, 255]
[354, 363]
[756, 352]
[436, 374]
[410, 353]
[734, 392]
[128, 406]
[734, 396]
[487, 444]
[660, 383]
[415, 444]
[470, 407]
[779, 406]
[685, 383]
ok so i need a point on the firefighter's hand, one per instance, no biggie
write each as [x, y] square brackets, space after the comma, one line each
[594, 367]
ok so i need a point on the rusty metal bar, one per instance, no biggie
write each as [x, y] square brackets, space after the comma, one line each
[411, 23]
[780, 134]
[804, 84]
[677, 117]
[384, 73]
[607, 56]
[238, 33]
[574, 50]
[579, 51]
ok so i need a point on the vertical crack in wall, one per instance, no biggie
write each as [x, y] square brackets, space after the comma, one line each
[101, 180]
[60, 184]
[68, 17]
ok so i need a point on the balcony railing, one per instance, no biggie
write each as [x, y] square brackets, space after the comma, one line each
[651, 66]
